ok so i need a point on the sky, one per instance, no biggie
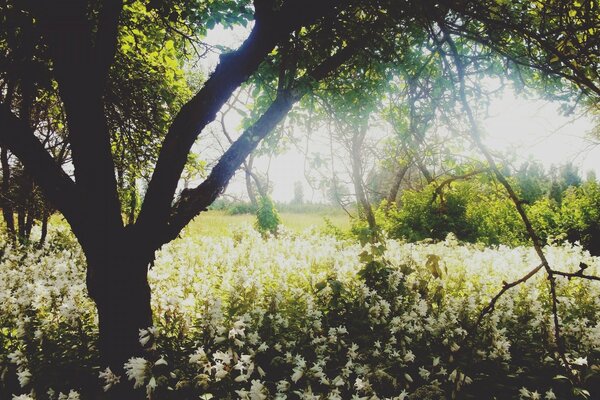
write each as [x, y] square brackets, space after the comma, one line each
[527, 128]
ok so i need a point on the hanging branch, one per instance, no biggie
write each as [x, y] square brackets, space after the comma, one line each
[475, 134]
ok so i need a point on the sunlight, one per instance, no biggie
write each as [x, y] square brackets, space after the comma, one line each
[537, 130]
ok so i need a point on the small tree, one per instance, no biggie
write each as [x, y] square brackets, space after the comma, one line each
[298, 193]
[267, 217]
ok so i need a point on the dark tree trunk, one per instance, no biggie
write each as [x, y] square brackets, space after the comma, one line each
[398, 178]
[45, 218]
[7, 210]
[31, 213]
[21, 223]
[25, 208]
[117, 282]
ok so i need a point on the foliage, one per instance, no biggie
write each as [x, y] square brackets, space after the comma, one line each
[579, 217]
[423, 216]
[478, 211]
[267, 217]
[300, 316]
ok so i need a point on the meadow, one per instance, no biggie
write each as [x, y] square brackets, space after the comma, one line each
[223, 223]
[304, 315]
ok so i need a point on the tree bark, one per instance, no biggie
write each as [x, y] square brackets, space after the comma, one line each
[118, 285]
[7, 210]
[45, 218]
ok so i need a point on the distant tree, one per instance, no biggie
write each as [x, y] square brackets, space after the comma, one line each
[298, 193]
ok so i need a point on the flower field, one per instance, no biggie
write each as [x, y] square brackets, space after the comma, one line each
[308, 316]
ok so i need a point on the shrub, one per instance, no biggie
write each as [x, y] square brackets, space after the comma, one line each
[267, 217]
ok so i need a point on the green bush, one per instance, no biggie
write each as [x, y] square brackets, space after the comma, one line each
[267, 217]
[482, 213]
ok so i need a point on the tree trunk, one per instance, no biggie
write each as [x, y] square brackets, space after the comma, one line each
[424, 171]
[250, 189]
[118, 284]
[30, 216]
[21, 223]
[357, 180]
[25, 205]
[45, 218]
[398, 178]
[7, 210]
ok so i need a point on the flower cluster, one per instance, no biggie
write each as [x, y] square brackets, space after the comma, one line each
[310, 317]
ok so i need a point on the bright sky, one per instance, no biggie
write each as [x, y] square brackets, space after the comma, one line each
[536, 128]
[524, 127]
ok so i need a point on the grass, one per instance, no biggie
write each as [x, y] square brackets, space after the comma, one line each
[219, 223]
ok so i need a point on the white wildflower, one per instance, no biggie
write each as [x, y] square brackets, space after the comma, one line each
[23, 376]
[550, 395]
[110, 379]
[136, 369]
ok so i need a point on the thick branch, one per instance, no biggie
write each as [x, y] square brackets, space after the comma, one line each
[438, 190]
[58, 187]
[492, 304]
[233, 69]
[194, 201]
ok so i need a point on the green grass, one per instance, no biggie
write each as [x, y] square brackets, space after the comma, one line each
[219, 223]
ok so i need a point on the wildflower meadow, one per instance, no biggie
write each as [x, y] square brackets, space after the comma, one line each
[308, 316]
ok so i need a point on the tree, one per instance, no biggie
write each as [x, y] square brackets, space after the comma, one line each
[298, 193]
[294, 46]
[81, 39]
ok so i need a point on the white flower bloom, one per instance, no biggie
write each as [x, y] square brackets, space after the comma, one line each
[550, 395]
[23, 376]
[150, 387]
[161, 361]
[198, 357]
[580, 361]
[257, 390]
[22, 397]
[136, 369]
[298, 373]
[524, 393]
[110, 379]
[360, 385]
[283, 386]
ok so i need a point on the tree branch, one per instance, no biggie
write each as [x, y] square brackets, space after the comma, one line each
[234, 68]
[475, 134]
[492, 304]
[193, 201]
[58, 187]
